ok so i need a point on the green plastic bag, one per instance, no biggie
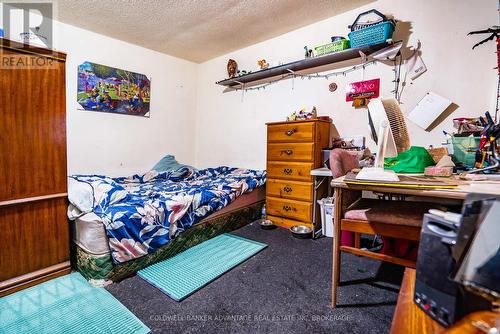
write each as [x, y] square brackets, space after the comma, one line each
[412, 161]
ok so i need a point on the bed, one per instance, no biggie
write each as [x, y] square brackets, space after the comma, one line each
[121, 225]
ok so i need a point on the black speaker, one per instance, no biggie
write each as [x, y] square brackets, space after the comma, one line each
[440, 252]
[435, 293]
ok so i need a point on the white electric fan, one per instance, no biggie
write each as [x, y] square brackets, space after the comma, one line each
[389, 131]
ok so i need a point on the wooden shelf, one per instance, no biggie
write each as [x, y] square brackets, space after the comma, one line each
[300, 65]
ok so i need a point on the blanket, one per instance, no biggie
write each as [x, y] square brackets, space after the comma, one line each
[143, 212]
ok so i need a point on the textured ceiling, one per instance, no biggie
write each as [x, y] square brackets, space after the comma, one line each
[197, 30]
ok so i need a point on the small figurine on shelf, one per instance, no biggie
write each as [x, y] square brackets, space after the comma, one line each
[232, 68]
[292, 117]
[313, 114]
[303, 115]
[309, 52]
[243, 72]
[263, 64]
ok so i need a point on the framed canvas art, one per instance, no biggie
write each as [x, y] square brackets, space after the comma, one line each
[107, 89]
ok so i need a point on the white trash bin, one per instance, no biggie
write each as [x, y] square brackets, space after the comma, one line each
[326, 206]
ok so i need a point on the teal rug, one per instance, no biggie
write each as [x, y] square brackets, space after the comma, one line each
[66, 304]
[189, 271]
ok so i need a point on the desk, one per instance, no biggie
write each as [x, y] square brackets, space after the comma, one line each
[345, 195]
[408, 317]
[320, 175]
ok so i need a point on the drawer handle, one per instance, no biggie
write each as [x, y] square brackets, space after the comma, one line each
[287, 189]
[287, 152]
[287, 208]
[288, 171]
[290, 132]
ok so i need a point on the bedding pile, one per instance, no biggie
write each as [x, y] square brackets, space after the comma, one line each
[144, 212]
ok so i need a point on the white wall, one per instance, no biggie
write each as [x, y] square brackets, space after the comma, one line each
[231, 129]
[121, 145]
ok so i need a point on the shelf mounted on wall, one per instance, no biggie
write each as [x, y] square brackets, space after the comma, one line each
[270, 74]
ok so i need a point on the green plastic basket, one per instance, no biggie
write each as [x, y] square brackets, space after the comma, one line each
[331, 47]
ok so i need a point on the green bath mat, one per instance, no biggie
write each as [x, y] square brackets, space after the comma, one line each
[194, 268]
[66, 304]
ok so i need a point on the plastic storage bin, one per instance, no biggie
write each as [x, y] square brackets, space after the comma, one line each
[464, 149]
[364, 34]
[326, 207]
[331, 47]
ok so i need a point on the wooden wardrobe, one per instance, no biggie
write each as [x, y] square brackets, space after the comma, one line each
[34, 234]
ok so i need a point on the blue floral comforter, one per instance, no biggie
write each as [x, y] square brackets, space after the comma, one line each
[144, 212]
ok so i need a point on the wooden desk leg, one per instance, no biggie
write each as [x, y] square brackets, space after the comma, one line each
[357, 240]
[336, 244]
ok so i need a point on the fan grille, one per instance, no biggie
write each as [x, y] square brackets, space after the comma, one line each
[397, 124]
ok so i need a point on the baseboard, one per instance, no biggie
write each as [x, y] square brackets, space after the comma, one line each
[36, 277]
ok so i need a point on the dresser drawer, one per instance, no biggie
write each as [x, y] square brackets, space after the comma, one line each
[287, 223]
[303, 132]
[289, 208]
[300, 171]
[291, 152]
[289, 189]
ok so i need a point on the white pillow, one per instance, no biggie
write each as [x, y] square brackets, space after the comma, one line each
[81, 195]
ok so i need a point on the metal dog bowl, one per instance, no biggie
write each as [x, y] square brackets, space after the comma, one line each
[267, 224]
[301, 231]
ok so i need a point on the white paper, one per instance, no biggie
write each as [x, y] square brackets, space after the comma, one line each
[415, 66]
[428, 109]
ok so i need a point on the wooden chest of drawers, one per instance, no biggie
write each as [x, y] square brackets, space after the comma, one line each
[293, 150]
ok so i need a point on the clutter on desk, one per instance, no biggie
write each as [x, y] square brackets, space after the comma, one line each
[437, 153]
[350, 143]
[415, 160]
[409, 181]
[486, 158]
[445, 161]
[464, 149]
[443, 168]
[477, 154]
[354, 145]
[468, 126]
[438, 171]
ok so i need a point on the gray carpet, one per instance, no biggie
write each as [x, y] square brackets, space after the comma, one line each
[286, 288]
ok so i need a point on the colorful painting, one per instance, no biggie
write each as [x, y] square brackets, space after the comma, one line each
[108, 89]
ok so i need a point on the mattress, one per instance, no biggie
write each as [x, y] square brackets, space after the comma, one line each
[89, 234]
